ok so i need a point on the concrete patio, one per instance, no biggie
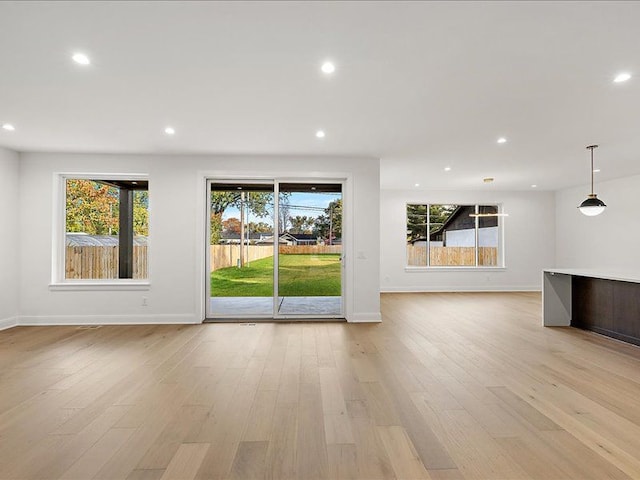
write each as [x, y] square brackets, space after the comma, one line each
[263, 306]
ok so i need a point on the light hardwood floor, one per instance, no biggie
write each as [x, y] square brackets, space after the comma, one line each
[449, 386]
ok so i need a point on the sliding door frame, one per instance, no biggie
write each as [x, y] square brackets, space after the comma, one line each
[209, 315]
[275, 181]
[276, 260]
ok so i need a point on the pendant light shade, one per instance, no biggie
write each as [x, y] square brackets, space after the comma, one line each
[592, 206]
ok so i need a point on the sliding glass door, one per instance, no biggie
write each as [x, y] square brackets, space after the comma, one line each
[310, 249]
[274, 250]
[241, 249]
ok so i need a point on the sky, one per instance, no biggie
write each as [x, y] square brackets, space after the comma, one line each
[297, 201]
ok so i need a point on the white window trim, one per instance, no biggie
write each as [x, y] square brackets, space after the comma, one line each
[58, 282]
[452, 268]
[105, 285]
[455, 268]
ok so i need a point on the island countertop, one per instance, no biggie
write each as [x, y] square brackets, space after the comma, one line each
[605, 274]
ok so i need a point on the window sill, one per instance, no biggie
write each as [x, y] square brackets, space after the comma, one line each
[101, 285]
[453, 269]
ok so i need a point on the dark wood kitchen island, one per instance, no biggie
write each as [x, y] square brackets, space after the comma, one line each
[606, 302]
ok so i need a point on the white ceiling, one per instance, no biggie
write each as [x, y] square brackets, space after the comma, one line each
[419, 85]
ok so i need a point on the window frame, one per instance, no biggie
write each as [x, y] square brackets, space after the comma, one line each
[476, 268]
[58, 280]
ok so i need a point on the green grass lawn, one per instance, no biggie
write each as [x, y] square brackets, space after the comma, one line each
[300, 275]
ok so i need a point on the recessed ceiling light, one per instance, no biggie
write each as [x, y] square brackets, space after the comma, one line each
[320, 134]
[8, 127]
[622, 77]
[417, 185]
[328, 68]
[81, 58]
[447, 169]
[596, 170]
[502, 140]
[534, 186]
[170, 131]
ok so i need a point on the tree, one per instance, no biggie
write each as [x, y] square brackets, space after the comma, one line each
[259, 202]
[330, 224]
[417, 219]
[141, 213]
[321, 226]
[231, 225]
[283, 213]
[416, 222]
[260, 205]
[215, 233]
[334, 210]
[301, 224]
[220, 201]
[91, 207]
[260, 227]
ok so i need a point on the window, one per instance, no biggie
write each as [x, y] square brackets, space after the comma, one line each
[440, 235]
[106, 225]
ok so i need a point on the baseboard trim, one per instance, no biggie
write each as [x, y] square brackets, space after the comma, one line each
[499, 288]
[373, 317]
[9, 322]
[158, 319]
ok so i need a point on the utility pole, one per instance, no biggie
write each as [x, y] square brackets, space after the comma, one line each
[330, 223]
[248, 235]
[241, 246]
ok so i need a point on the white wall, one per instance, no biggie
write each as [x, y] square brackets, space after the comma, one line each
[177, 232]
[609, 241]
[529, 235]
[9, 244]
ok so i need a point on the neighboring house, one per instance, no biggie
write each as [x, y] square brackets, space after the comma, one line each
[234, 238]
[79, 239]
[308, 239]
[298, 238]
[284, 239]
[288, 238]
[459, 230]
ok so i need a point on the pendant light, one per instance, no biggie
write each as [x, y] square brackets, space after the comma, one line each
[592, 206]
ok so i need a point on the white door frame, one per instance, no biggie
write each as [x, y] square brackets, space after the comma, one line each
[341, 314]
[275, 181]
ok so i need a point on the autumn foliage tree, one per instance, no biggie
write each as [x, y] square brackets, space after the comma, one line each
[93, 208]
[231, 225]
[141, 213]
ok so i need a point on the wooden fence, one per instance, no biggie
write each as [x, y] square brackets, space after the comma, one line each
[100, 262]
[309, 249]
[223, 256]
[451, 256]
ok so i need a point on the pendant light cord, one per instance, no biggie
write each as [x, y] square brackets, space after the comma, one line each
[591, 170]
[591, 147]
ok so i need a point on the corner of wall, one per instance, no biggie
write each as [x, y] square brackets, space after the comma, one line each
[9, 242]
